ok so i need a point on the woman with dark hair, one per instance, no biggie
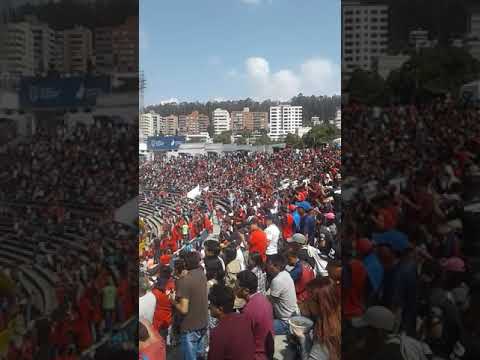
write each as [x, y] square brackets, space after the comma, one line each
[232, 266]
[257, 266]
[324, 307]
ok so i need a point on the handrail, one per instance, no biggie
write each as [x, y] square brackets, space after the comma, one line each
[91, 350]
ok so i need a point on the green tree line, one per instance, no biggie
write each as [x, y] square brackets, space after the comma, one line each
[323, 106]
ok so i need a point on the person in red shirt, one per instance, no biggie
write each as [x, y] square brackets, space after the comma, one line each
[162, 317]
[232, 338]
[354, 289]
[124, 297]
[81, 331]
[207, 224]
[165, 257]
[150, 343]
[85, 307]
[258, 240]
[287, 225]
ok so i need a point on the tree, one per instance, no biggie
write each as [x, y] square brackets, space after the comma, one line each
[366, 87]
[293, 140]
[433, 71]
[224, 138]
[320, 134]
[323, 106]
[263, 140]
[210, 129]
[245, 135]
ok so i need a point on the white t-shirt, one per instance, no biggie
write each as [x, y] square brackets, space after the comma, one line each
[282, 290]
[273, 234]
[240, 258]
[146, 306]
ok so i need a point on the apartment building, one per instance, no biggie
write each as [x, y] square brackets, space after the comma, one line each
[364, 34]
[75, 50]
[238, 120]
[221, 121]
[249, 120]
[284, 119]
[44, 45]
[17, 49]
[474, 22]
[182, 124]
[203, 122]
[104, 50]
[117, 48]
[146, 125]
[171, 124]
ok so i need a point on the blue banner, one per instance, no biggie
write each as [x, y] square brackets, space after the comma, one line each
[164, 143]
[62, 92]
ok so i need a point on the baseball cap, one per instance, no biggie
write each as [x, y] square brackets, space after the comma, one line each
[330, 216]
[299, 238]
[397, 240]
[305, 205]
[291, 207]
[378, 317]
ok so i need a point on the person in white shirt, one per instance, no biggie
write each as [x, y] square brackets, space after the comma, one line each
[273, 235]
[147, 301]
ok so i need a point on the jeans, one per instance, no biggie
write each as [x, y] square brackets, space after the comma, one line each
[108, 320]
[192, 344]
[280, 327]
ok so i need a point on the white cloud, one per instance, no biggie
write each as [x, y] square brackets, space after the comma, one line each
[320, 76]
[316, 76]
[169, 101]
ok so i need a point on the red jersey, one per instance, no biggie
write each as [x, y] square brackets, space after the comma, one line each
[162, 317]
[287, 229]
[258, 243]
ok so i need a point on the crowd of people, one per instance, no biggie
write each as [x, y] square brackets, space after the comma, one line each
[410, 291]
[254, 257]
[93, 165]
[58, 191]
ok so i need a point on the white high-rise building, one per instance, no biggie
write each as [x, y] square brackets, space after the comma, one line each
[338, 119]
[364, 34]
[474, 23]
[153, 124]
[145, 125]
[419, 39]
[284, 119]
[44, 44]
[221, 121]
[16, 49]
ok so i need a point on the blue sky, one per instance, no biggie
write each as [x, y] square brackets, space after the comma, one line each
[232, 49]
